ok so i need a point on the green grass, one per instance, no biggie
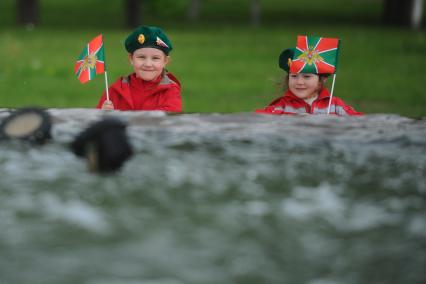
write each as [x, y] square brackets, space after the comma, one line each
[224, 64]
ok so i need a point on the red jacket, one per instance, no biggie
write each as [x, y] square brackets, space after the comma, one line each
[132, 93]
[290, 104]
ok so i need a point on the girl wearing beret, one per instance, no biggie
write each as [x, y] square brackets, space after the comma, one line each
[305, 91]
[150, 86]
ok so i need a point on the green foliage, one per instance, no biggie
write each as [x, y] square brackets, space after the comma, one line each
[224, 65]
[166, 7]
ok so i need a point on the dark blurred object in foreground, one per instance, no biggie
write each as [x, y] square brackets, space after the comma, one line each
[27, 124]
[104, 144]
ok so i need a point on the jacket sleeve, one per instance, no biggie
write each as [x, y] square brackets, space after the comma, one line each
[275, 107]
[269, 110]
[171, 100]
[351, 111]
[346, 109]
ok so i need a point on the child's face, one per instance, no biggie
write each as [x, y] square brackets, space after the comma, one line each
[148, 63]
[304, 85]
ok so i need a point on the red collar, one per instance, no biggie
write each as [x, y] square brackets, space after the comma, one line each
[144, 83]
[323, 94]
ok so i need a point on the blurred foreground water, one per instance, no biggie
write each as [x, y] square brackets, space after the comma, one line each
[218, 199]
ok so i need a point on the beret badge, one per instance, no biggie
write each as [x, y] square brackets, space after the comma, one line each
[141, 38]
[160, 42]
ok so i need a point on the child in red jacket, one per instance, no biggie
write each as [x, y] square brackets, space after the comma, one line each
[306, 91]
[150, 86]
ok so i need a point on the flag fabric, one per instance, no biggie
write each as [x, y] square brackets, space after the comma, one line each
[91, 60]
[316, 55]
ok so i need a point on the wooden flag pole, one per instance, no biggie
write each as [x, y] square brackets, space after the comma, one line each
[106, 85]
[331, 95]
[106, 74]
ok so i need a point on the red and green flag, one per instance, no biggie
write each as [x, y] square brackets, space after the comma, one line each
[91, 60]
[316, 55]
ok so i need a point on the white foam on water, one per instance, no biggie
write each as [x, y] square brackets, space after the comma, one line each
[329, 203]
[308, 201]
[417, 225]
[176, 172]
[364, 216]
[212, 196]
[324, 281]
[75, 212]
[135, 281]
[257, 208]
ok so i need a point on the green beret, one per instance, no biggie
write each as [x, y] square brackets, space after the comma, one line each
[146, 36]
[285, 58]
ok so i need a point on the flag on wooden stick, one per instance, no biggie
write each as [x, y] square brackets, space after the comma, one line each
[91, 60]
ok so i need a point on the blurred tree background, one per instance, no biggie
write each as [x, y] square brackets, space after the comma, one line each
[225, 51]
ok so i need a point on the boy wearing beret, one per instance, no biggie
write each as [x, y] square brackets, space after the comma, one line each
[150, 86]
